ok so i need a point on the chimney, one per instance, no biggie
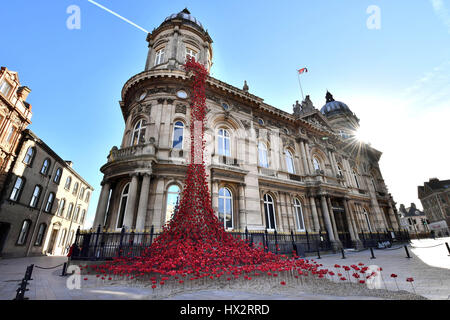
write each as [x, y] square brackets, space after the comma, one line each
[69, 163]
[23, 93]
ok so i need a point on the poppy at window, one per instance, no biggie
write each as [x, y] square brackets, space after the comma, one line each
[173, 198]
[226, 208]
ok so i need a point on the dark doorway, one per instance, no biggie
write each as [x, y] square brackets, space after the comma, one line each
[4, 229]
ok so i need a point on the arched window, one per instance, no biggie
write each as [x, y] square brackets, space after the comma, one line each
[35, 197]
[289, 161]
[299, 215]
[355, 176]
[173, 194]
[29, 156]
[178, 133]
[191, 53]
[68, 183]
[45, 166]
[339, 169]
[76, 214]
[224, 142]
[83, 216]
[49, 203]
[122, 206]
[316, 163]
[138, 136]
[81, 193]
[61, 206]
[262, 155]
[269, 211]
[226, 208]
[69, 211]
[366, 216]
[40, 234]
[26, 224]
[88, 196]
[75, 188]
[57, 175]
[63, 238]
[17, 189]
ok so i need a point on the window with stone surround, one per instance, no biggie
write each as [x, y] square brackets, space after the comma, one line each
[299, 215]
[191, 53]
[138, 136]
[226, 208]
[29, 156]
[122, 206]
[289, 161]
[35, 197]
[49, 203]
[159, 57]
[24, 230]
[224, 143]
[269, 211]
[40, 234]
[5, 88]
[178, 134]
[172, 200]
[17, 189]
[263, 159]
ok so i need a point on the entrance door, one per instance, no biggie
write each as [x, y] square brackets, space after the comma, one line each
[4, 229]
[52, 242]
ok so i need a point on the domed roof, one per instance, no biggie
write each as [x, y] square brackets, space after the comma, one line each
[185, 15]
[333, 106]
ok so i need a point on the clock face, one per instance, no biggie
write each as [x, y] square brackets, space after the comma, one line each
[182, 94]
[142, 96]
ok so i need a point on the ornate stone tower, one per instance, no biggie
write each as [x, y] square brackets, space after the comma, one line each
[178, 36]
[340, 116]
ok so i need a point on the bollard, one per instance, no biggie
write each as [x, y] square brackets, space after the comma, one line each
[343, 255]
[318, 253]
[407, 253]
[63, 274]
[371, 251]
[448, 248]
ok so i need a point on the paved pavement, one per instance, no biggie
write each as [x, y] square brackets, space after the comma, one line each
[429, 266]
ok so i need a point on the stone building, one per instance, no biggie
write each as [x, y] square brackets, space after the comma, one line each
[435, 198]
[44, 202]
[413, 220]
[15, 116]
[268, 169]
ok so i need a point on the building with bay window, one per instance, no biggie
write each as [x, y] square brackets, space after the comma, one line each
[267, 168]
[44, 203]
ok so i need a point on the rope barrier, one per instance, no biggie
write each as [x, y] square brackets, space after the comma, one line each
[441, 244]
[59, 265]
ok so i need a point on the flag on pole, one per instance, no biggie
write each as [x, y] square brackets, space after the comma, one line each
[302, 70]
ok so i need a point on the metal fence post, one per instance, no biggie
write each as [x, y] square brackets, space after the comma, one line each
[246, 234]
[307, 240]
[276, 241]
[294, 245]
[266, 244]
[122, 234]
[96, 241]
[151, 234]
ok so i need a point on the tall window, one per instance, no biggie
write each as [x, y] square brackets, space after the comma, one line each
[26, 224]
[83, 215]
[191, 53]
[173, 197]
[61, 206]
[226, 208]
[299, 215]
[262, 155]
[75, 188]
[224, 143]
[68, 183]
[45, 166]
[76, 214]
[40, 234]
[5, 88]
[63, 238]
[269, 211]
[366, 216]
[17, 189]
[178, 131]
[88, 196]
[159, 56]
[57, 175]
[35, 197]
[138, 136]
[11, 132]
[289, 161]
[355, 176]
[81, 193]
[316, 163]
[122, 206]
[69, 211]
[339, 169]
[29, 156]
[49, 203]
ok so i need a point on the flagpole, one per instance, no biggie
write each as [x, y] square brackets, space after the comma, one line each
[301, 89]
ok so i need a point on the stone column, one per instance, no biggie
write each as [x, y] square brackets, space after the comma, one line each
[351, 226]
[304, 159]
[143, 202]
[328, 225]
[102, 205]
[308, 158]
[314, 214]
[333, 221]
[131, 204]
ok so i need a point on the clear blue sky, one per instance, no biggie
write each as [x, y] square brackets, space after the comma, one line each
[396, 79]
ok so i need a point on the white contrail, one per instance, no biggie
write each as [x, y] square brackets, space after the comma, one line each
[117, 15]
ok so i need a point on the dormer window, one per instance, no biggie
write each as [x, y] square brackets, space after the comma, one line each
[191, 53]
[5, 88]
[159, 56]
